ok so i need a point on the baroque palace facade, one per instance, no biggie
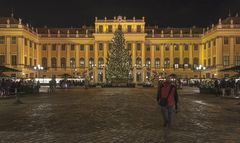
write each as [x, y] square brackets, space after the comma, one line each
[83, 51]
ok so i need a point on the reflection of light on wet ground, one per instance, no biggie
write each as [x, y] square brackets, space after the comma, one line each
[40, 110]
[201, 102]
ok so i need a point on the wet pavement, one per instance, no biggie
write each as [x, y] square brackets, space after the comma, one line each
[118, 115]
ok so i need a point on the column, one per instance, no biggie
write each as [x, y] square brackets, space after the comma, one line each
[231, 53]
[162, 56]
[20, 51]
[96, 62]
[28, 52]
[171, 55]
[143, 61]
[68, 56]
[49, 57]
[152, 54]
[77, 59]
[190, 49]
[59, 56]
[8, 49]
[134, 61]
[39, 60]
[181, 54]
[86, 58]
[201, 54]
[219, 54]
[105, 61]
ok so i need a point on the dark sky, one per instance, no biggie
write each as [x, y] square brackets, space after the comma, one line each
[75, 13]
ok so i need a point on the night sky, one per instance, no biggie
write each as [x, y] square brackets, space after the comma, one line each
[164, 13]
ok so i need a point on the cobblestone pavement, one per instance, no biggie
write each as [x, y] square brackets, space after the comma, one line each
[117, 115]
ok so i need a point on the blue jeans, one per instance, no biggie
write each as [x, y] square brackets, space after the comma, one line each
[167, 115]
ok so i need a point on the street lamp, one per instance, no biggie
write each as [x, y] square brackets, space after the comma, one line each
[200, 68]
[38, 68]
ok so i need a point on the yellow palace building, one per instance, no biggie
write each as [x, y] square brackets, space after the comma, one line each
[83, 51]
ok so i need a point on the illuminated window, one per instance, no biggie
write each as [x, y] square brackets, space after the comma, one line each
[91, 47]
[225, 60]
[14, 40]
[14, 59]
[54, 47]
[238, 61]
[72, 47]
[2, 60]
[139, 28]
[109, 28]
[100, 29]
[157, 63]
[100, 46]
[82, 63]
[129, 27]
[2, 40]
[237, 40]
[139, 46]
[225, 40]
[82, 47]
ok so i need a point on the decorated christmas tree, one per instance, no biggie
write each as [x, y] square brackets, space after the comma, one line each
[118, 62]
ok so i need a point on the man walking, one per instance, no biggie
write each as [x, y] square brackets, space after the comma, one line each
[167, 98]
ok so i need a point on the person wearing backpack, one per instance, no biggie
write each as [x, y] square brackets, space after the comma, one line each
[167, 98]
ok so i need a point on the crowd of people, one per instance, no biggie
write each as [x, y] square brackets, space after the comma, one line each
[71, 83]
[11, 87]
[222, 87]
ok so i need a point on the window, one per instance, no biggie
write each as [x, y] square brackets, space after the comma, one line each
[195, 47]
[209, 44]
[63, 63]
[30, 61]
[176, 63]
[237, 40]
[196, 63]
[35, 62]
[35, 46]
[100, 29]
[54, 47]
[209, 61]
[157, 48]
[214, 42]
[91, 47]
[109, 28]
[148, 63]
[14, 40]
[205, 45]
[176, 47]
[238, 61]
[148, 48]
[82, 47]
[14, 59]
[2, 40]
[25, 60]
[30, 44]
[72, 63]
[139, 46]
[129, 46]
[129, 27]
[157, 63]
[205, 63]
[63, 47]
[186, 47]
[100, 63]
[166, 48]
[166, 63]
[44, 63]
[72, 47]
[225, 40]
[91, 62]
[82, 63]
[44, 47]
[139, 28]
[138, 62]
[54, 63]
[186, 62]
[100, 46]
[120, 27]
[225, 60]
[2, 60]
[214, 61]
[25, 42]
